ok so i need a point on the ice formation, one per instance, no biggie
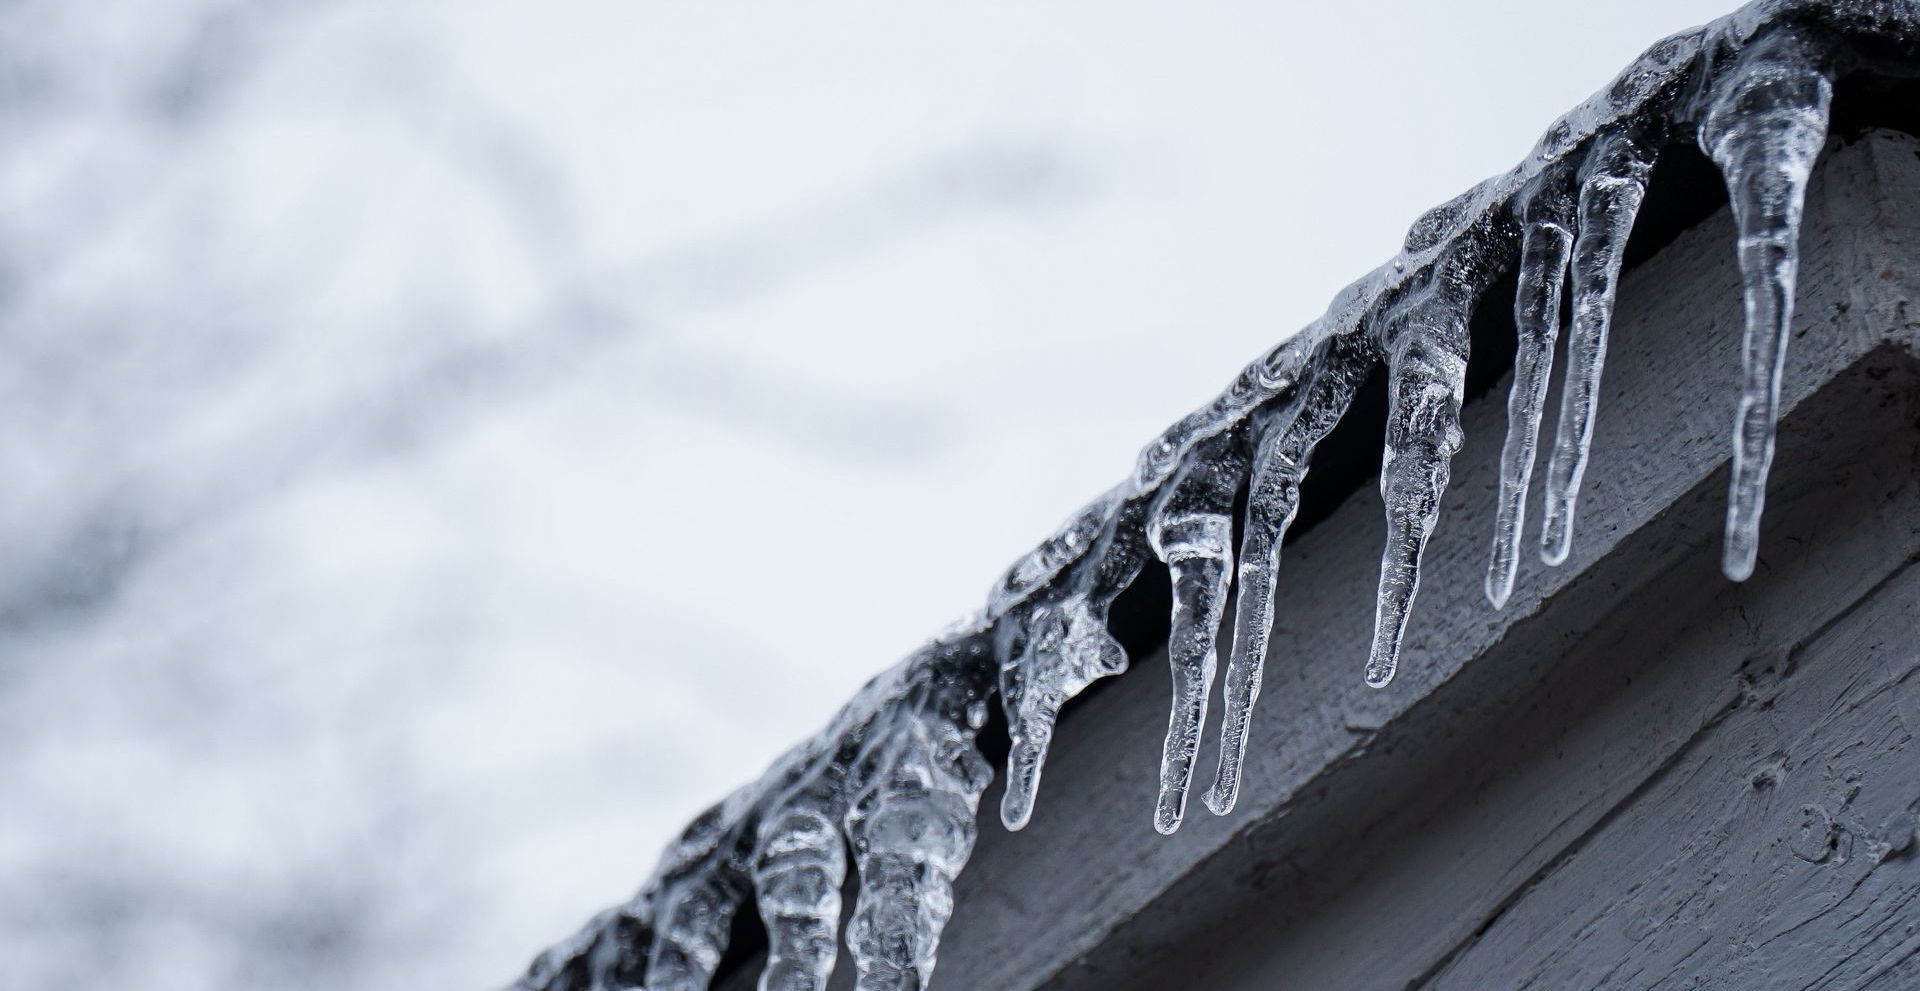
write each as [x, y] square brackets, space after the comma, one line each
[896, 779]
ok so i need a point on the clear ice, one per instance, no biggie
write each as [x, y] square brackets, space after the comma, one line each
[1288, 435]
[1764, 128]
[1191, 529]
[1613, 183]
[892, 785]
[1545, 249]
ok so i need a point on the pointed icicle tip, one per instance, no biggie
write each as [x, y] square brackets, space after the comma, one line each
[1024, 764]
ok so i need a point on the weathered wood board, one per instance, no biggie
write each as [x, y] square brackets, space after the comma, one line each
[1637, 775]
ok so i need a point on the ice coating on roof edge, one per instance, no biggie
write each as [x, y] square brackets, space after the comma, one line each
[896, 776]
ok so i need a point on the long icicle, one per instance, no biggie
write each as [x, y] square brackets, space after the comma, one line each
[1192, 530]
[1323, 395]
[1766, 125]
[1427, 369]
[1610, 195]
[1544, 252]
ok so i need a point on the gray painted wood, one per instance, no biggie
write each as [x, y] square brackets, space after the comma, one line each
[1410, 858]
[1607, 784]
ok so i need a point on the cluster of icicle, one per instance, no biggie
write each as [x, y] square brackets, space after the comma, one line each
[896, 779]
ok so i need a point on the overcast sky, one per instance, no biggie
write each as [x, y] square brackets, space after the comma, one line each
[452, 443]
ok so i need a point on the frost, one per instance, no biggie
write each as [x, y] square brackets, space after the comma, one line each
[896, 778]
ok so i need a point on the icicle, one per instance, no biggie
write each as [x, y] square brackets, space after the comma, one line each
[619, 945]
[691, 899]
[1065, 648]
[608, 952]
[692, 931]
[617, 959]
[1765, 126]
[798, 867]
[1611, 188]
[1536, 316]
[912, 829]
[1427, 368]
[1323, 395]
[1191, 529]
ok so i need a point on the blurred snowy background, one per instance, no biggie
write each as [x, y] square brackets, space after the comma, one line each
[443, 445]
